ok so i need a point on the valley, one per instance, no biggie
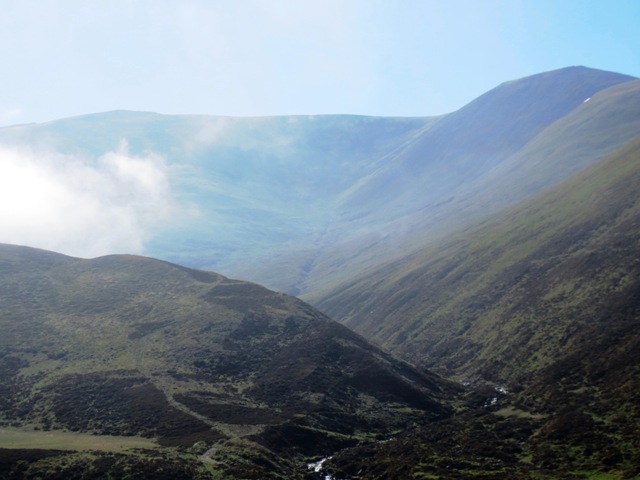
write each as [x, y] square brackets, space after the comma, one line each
[444, 297]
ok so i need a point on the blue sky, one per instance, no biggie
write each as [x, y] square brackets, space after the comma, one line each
[274, 57]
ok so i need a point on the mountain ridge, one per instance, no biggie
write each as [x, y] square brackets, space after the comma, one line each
[498, 186]
[309, 197]
[473, 260]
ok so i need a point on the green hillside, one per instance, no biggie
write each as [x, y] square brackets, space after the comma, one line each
[466, 144]
[480, 277]
[542, 299]
[508, 144]
[576, 140]
[130, 346]
[494, 249]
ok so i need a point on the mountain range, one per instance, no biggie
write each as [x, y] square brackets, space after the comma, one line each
[301, 203]
[491, 254]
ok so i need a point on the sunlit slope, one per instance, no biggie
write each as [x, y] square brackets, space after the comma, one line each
[508, 144]
[467, 143]
[600, 125]
[520, 291]
[128, 345]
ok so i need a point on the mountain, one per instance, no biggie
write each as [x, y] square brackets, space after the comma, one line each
[511, 143]
[495, 245]
[542, 300]
[242, 188]
[131, 346]
[540, 256]
[468, 143]
[303, 203]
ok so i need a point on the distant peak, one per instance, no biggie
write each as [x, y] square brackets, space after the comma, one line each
[575, 72]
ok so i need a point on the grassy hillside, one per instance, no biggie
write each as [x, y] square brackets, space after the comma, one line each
[586, 135]
[467, 143]
[542, 299]
[510, 143]
[538, 257]
[130, 346]
[535, 309]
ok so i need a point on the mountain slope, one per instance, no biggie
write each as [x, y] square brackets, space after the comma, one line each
[455, 172]
[302, 203]
[454, 194]
[242, 187]
[465, 144]
[542, 298]
[127, 345]
[535, 262]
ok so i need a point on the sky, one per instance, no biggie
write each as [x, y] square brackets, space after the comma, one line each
[64, 58]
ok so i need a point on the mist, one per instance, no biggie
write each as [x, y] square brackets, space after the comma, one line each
[83, 207]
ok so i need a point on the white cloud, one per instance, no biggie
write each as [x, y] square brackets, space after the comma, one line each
[82, 207]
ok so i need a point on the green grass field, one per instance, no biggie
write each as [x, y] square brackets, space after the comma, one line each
[61, 440]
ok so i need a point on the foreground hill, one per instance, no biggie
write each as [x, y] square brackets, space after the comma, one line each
[543, 299]
[127, 345]
[302, 203]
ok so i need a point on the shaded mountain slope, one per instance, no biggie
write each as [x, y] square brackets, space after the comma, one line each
[127, 345]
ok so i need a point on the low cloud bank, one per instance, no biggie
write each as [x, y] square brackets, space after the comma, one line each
[79, 206]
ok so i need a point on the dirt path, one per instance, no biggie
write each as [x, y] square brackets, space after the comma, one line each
[207, 457]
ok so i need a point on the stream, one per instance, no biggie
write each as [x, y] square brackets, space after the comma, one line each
[316, 467]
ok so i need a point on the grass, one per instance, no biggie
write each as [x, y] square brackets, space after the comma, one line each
[514, 412]
[603, 476]
[62, 440]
